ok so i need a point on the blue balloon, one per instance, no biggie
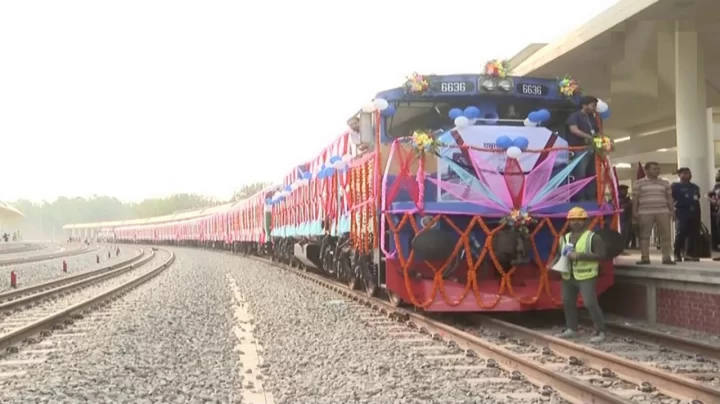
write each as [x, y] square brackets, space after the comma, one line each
[534, 117]
[544, 115]
[388, 112]
[268, 201]
[334, 159]
[288, 188]
[454, 113]
[521, 143]
[307, 175]
[472, 112]
[605, 115]
[329, 172]
[504, 142]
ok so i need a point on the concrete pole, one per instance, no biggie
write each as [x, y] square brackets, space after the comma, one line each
[694, 142]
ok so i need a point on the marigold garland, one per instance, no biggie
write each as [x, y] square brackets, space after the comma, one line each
[518, 220]
[416, 84]
[497, 68]
[569, 87]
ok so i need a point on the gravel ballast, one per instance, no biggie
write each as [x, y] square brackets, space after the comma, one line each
[318, 349]
[183, 338]
[169, 341]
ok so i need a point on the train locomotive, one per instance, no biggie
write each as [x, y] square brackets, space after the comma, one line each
[449, 193]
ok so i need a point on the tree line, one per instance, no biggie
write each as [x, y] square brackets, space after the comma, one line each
[45, 220]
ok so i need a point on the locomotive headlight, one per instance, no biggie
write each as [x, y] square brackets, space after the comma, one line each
[505, 85]
[488, 84]
[425, 221]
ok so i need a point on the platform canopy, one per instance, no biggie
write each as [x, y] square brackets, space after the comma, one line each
[9, 213]
[635, 55]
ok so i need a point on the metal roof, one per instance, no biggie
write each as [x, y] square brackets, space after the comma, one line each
[9, 212]
[153, 220]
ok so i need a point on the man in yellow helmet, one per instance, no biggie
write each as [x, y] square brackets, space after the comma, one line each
[584, 251]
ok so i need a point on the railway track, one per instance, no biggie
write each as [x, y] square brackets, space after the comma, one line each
[43, 257]
[13, 296]
[21, 248]
[36, 315]
[574, 371]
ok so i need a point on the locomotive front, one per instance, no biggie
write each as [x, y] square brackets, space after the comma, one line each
[473, 203]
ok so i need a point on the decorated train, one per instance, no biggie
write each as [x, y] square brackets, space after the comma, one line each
[449, 193]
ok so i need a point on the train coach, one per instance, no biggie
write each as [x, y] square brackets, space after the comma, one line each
[449, 193]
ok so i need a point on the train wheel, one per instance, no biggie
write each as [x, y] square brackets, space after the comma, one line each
[370, 288]
[394, 299]
[370, 284]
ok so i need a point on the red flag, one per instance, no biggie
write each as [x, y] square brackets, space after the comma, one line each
[640, 171]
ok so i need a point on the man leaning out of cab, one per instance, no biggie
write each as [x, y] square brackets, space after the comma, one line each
[584, 250]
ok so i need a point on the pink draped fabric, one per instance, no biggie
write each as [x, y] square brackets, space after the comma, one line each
[562, 194]
[491, 178]
[465, 194]
[539, 177]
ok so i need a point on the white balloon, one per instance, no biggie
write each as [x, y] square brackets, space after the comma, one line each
[339, 165]
[369, 107]
[462, 122]
[380, 104]
[347, 158]
[602, 107]
[295, 185]
[514, 152]
[528, 122]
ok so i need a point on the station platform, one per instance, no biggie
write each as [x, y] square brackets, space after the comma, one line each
[684, 295]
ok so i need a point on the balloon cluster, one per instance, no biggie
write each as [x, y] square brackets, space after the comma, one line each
[513, 148]
[379, 104]
[462, 118]
[603, 109]
[536, 117]
[327, 170]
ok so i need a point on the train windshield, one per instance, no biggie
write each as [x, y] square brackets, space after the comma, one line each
[497, 117]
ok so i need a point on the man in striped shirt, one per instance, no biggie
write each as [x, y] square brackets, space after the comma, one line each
[653, 205]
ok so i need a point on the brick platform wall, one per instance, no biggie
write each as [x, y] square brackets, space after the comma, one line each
[677, 306]
[689, 309]
[626, 299]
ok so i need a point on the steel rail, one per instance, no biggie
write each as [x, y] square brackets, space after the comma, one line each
[36, 258]
[11, 294]
[625, 368]
[83, 282]
[21, 334]
[671, 341]
[23, 248]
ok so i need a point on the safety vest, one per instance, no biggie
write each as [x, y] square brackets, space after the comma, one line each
[582, 270]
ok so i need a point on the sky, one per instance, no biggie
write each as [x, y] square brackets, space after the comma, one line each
[142, 99]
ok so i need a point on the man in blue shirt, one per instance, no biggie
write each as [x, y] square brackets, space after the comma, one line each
[714, 197]
[582, 128]
[687, 215]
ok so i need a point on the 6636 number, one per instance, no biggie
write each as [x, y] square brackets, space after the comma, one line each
[453, 87]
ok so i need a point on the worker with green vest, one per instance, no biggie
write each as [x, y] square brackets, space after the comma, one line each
[584, 251]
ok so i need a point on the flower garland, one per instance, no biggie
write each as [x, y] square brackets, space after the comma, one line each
[603, 145]
[497, 68]
[569, 87]
[424, 142]
[518, 220]
[416, 84]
